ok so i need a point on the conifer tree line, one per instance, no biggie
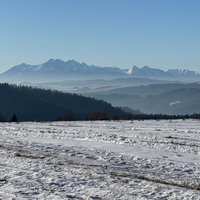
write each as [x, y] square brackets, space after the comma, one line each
[102, 115]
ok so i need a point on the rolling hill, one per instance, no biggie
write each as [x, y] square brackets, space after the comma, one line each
[178, 101]
[32, 104]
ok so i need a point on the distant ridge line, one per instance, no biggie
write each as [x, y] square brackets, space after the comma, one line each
[59, 70]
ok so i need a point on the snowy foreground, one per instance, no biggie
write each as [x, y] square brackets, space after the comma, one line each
[100, 160]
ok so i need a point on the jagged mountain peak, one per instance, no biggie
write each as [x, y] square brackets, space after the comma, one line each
[146, 71]
[59, 70]
[180, 72]
[146, 67]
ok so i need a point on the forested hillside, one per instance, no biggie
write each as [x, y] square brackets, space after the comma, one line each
[34, 104]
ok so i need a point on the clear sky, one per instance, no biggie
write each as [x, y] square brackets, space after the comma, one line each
[163, 34]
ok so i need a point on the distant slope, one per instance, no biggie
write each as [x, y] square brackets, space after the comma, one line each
[179, 101]
[31, 104]
[145, 90]
[96, 85]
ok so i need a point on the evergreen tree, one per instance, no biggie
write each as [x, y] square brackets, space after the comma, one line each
[14, 118]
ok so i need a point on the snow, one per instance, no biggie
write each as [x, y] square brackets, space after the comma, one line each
[15, 76]
[39, 67]
[100, 160]
[173, 103]
[130, 71]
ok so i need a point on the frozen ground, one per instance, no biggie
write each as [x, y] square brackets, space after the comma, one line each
[100, 160]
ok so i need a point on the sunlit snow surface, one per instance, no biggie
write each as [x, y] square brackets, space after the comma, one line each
[100, 160]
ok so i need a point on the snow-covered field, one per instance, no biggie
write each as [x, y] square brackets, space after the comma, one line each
[100, 160]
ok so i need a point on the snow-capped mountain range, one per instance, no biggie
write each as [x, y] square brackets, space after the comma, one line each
[58, 70]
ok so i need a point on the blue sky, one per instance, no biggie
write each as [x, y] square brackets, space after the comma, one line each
[162, 34]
